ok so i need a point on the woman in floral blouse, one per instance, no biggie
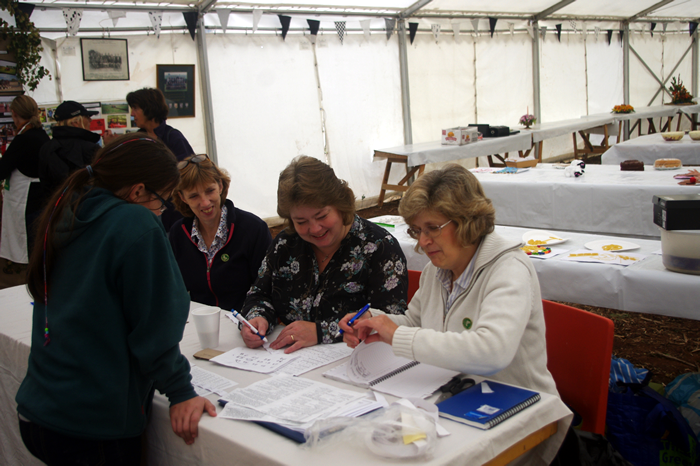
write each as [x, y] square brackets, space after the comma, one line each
[326, 263]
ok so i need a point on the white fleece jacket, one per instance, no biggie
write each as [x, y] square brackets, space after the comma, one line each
[494, 329]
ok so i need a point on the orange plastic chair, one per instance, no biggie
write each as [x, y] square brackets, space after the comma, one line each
[413, 282]
[579, 350]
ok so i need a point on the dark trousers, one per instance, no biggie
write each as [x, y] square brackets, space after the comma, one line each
[56, 449]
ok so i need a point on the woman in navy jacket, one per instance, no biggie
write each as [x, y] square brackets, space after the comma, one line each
[218, 247]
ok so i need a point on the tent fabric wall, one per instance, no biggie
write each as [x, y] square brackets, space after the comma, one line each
[266, 99]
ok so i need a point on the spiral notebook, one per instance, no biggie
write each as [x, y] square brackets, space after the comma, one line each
[376, 367]
[487, 404]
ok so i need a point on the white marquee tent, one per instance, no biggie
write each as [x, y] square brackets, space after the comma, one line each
[262, 99]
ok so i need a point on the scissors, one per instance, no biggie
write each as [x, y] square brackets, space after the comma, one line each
[454, 386]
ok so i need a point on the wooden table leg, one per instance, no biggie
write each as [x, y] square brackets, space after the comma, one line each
[385, 181]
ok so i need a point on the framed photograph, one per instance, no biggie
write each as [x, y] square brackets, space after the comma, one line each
[105, 59]
[177, 84]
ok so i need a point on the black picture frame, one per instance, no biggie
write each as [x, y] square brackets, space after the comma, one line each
[177, 84]
[105, 59]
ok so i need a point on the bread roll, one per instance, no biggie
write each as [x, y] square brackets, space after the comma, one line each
[667, 163]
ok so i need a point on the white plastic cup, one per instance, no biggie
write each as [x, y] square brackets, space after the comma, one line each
[207, 320]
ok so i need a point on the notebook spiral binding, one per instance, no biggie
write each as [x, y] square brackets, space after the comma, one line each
[505, 415]
[393, 373]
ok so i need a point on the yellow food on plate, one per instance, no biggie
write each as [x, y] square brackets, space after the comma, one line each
[611, 247]
[667, 163]
[673, 135]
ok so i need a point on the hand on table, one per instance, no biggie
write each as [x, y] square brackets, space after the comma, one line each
[184, 417]
[298, 334]
[383, 325]
[349, 333]
[252, 340]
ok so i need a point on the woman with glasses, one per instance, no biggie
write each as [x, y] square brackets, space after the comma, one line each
[478, 309]
[218, 246]
[326, 263]
[109, 313]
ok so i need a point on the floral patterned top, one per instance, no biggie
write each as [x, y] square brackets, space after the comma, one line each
[369, 267]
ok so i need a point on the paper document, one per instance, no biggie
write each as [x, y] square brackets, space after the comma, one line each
[209, 381]
[313, 357]
[255, 360]
[293, 398]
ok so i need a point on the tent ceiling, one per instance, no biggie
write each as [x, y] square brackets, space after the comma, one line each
[619, 9]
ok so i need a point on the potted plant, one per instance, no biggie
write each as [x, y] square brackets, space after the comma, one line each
[24, 43]
[527, 120]
[679, 93]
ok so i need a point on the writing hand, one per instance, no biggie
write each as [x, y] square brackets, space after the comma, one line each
[350, 336]
[382, 325]
[185, 416]
[298, 334]
[250, 339]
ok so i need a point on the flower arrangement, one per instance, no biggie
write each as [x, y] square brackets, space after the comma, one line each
[527, 120]
[623, 109]
[679, 93]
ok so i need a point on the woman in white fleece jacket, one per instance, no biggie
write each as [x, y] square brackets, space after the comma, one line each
[478, 309]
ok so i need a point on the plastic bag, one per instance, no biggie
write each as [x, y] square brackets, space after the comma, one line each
[684, 392]
[400, 431]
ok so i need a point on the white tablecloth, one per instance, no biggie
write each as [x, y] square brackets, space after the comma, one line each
[226, 442]
[646, 286]
[432, 152]
[553, 129]
[603, 200]
[651, 147]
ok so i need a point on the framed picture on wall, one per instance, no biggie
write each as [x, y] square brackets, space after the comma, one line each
[105, 59]
[177, 84]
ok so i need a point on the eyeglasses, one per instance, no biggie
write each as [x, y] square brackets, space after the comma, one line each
[431, 231]
[163, 204]
[194, 159]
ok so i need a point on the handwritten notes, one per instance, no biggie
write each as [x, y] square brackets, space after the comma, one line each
[255, 360]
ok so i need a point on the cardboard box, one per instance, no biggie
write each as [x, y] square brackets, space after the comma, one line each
[458, 136]
[521, 163]
[677, 211]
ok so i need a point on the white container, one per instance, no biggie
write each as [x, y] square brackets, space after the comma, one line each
[207, 320]
[681, 250]
[458, 136]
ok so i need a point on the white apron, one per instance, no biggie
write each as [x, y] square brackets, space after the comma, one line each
[13, 238]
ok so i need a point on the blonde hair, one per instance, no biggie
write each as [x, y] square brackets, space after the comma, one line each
[26, 108]
[70, 121]
[199, 174]
[454, 192]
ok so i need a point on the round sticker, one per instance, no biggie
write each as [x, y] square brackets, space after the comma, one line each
[467, 322]
[224, 257]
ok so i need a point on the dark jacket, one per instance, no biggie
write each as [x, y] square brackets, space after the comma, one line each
[70, 149]
[116, 315]
[233, 269]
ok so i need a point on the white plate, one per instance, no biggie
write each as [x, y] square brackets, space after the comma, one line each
[668, 168]
[543, 237]
[600, 245]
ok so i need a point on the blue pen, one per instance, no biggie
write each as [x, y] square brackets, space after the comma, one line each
[243, 320]
[354, 318]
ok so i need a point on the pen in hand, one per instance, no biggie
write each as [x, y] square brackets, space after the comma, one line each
[243, 320]
[354, 318]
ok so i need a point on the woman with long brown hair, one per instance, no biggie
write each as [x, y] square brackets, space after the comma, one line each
[109, 313]
[22, 195]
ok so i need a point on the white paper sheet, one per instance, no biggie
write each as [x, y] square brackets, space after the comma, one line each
[209, 381]
[292, 398]
[255, 360]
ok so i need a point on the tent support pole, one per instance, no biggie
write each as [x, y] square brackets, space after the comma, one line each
[206, 91]
[626, 74]
[405, 91]
[695, 60]
[536, 79]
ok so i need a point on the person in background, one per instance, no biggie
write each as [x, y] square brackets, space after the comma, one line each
[327, 262]
[218, 246]
[149, 111]
[22, 193]
[72, 147]
[110, 309]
